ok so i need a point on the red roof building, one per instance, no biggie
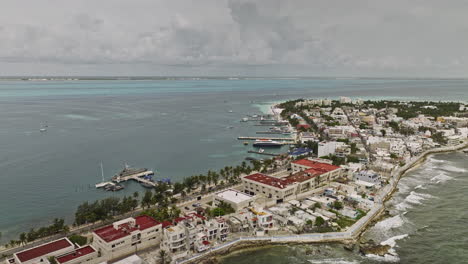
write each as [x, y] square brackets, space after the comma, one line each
[87, 252]
[141, 230]
[268, 180]
[44, 251]
[315, 167]
[125, 227]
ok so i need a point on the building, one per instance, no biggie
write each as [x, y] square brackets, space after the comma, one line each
[326, 148]
[368, 177]
[175, 240]
[41, 254]
[238, 200]
[127, 235]
[77, 256]
[454, 140]
[267, 186]
[324, 170]
[306, 176]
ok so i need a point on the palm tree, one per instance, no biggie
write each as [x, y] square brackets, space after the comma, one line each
[23, 238]
[162, 257]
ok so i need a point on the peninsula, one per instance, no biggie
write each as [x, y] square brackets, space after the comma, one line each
[345, 160]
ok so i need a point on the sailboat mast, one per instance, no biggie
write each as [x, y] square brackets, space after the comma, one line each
[102, 172]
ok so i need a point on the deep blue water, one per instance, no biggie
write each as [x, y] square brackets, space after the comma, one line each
[177, 127]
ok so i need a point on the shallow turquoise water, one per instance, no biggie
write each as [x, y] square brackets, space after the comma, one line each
[178, 127]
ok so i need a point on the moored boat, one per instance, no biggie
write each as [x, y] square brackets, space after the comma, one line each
[266, 143]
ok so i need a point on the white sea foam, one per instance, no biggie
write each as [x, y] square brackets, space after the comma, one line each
[420, 186]
[413, 199]
[417, 198]
[453, 169]
[333, 261]
[386, 258]
[392, 241]
[389, 223]
[441, 178]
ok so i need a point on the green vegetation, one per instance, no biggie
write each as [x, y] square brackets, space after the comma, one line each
[222, 209]
[319, 221]
[337, 205]
[52, 260]
[438, 137]
[162, 213]
[361, 214]
[104, 209]
[344, 221]
[58, 226]
[353, 159]
[77, 239]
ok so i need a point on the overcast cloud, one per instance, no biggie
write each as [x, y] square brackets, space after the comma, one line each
[413, 38]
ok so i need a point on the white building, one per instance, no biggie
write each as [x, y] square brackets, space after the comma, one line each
[369, 177]
[238, 200]
[326, 148]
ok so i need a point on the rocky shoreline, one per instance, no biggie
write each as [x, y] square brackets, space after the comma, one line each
[364, 247]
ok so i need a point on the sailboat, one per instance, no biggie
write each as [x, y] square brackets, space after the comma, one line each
[103, 183]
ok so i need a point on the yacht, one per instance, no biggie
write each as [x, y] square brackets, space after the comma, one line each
[266, 143]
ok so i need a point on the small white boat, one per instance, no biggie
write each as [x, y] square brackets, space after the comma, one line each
[261, 150]
[230, 111]
[43, 130]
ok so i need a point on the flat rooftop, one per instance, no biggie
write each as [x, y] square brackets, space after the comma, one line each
[110, 233]
[45, 249]
[234, 196]
[317, 167]
[268, 180]
[76, 254]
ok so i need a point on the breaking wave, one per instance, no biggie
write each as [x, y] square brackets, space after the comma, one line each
[441, 178]
[413, 199]
[392, 241]
[334, 261]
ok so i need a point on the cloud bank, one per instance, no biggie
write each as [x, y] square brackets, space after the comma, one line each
[234, 37]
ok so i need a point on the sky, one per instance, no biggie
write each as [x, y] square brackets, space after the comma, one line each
[374, 38]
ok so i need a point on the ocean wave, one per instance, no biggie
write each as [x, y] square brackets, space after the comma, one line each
[389, 223]
[333, 261]
[392, 241]
[441, 178]
[451, 168]
[420, 186]
[385, 258]
[413, 199]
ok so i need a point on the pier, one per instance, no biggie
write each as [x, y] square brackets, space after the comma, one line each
[135, 177]
[271, 138]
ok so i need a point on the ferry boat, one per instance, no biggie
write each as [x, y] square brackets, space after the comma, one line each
[266, 143]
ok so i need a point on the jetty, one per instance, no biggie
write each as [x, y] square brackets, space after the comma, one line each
[270, 138]
[136, 177]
